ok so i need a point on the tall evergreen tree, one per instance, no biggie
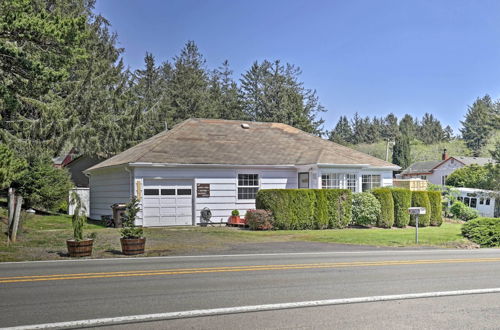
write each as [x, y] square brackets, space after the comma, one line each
[391, 128]
[273, 92]
[448, 133]
[408, 126]
[224, 94]
[430, 129]
[342, 132]
[401, 151]
[477, 124]
[359, 129]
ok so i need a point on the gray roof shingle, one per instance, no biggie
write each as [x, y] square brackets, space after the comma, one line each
[215, 141]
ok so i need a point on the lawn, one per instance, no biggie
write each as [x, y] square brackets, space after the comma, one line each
[44, 238]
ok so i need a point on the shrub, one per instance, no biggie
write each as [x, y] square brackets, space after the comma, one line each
[386, 217]
[365, 209]
[129, 229]
[421, 199]
[235, 213]
[78, 219]
[306, 208]
[436, 218]
[259, 219]
[463, 212]
[402, 202]
[483, 231]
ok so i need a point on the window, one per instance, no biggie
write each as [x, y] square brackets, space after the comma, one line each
[487, 201]
[443, 179]
[473, 202]
[338, 181]
[304, 180]
[481, 201]
[466, 201]
[330, 181]
[183, 192]
[461, 199]
[370, 181]
[423, 177]
[151, 192]
[167, 192]
[248, 185]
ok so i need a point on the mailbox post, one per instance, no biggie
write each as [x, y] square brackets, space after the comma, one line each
[416, 211]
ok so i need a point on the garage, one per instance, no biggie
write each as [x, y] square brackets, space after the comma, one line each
[168, 203]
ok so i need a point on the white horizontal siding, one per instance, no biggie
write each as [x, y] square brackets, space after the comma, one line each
[107, 187]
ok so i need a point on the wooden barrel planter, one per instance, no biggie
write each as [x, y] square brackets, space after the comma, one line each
[80, 248]
[132, 246]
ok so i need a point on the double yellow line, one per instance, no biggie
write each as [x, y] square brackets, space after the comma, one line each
[183, 271]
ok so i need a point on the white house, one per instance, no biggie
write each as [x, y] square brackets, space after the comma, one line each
[221, 164]
[436, 171]
[486, 202]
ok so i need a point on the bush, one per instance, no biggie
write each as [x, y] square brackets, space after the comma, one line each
[129, 229]
[306, 208]
[386, 217]
[365, 209]
[463, 212]
[436, 208]
[235, 213]
[259, 219]
[483, 231]
[402, 202]
[421, 199]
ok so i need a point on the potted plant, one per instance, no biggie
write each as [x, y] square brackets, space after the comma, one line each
[132, 239]
[234, 219]
[78, 246]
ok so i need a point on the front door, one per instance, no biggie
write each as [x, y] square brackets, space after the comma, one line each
[303, 180]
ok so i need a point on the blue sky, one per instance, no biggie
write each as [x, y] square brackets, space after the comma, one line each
[370, 57]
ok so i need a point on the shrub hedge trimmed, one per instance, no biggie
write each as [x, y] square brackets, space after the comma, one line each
[402, 202]
[365, 209]
[421, 199]
[483, 231]
[386, 217]
[436, 208]
[306, 208]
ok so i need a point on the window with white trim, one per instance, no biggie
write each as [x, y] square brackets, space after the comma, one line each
[370, 181]
[338, 181]
[248, 185]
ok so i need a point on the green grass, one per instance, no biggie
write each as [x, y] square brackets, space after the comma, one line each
[44, 238]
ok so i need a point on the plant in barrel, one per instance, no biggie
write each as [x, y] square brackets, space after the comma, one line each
[78, 246]
[132, 239]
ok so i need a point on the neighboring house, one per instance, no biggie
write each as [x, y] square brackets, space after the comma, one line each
[486, 202]
[77, 166]
[436, 171]
[221, 164]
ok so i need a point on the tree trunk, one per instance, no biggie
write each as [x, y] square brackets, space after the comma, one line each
[12, 205]
[17, 214]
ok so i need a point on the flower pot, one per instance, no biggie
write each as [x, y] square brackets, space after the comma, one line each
[132, 246]
[234, 220]
[80, 248]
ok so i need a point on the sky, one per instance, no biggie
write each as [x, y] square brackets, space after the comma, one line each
[371, 57]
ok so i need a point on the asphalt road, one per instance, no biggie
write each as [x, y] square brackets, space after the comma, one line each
[46, 292]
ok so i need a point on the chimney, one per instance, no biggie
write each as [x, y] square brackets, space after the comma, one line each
[445, 155]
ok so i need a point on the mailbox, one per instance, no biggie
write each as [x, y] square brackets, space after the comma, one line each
[417, 210]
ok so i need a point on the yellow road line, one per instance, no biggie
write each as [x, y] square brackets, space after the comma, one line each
[183, 271]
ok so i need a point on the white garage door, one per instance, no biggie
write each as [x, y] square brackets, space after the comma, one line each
[167, 203]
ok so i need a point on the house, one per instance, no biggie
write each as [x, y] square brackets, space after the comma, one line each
[486, 202]
[436, 171]
[221, 164]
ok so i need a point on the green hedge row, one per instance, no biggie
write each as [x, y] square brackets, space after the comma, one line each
[402, 202]
[386, 216]
[421, 199]
[436, 213]
[483, 231]
[307, 208]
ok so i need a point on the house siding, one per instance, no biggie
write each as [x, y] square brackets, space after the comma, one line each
[107, 187]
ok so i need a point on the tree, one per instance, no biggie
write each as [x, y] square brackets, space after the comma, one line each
[477, 124]
[430, 129]
[38, 45]
[448, 133]
[472, 176]
[390, 129]
[359, 129]
[224, 94]
[495, 153]
[272, 92]
[11, 167]
[342, 132]
[408, 126]
[401, 151]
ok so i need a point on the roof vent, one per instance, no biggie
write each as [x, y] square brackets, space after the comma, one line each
[245, 126]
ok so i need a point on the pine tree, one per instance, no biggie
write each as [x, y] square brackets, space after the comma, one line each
[342, 132]
[430, 130]
[495, 153]
[391, 128]
[272, 92]
[448, 133]
[401, 151]
[408, 126]
[477, 124]
[359, 129]
[224, 94]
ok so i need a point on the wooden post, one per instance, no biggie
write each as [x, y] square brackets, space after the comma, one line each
[17, 215]
[12, 205]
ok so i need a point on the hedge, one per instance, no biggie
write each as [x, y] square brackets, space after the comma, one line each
[421, 199]
[436, 208]
[483, 231]
[402, 202]
[384, 196]
[306, 208]
[365, 209]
